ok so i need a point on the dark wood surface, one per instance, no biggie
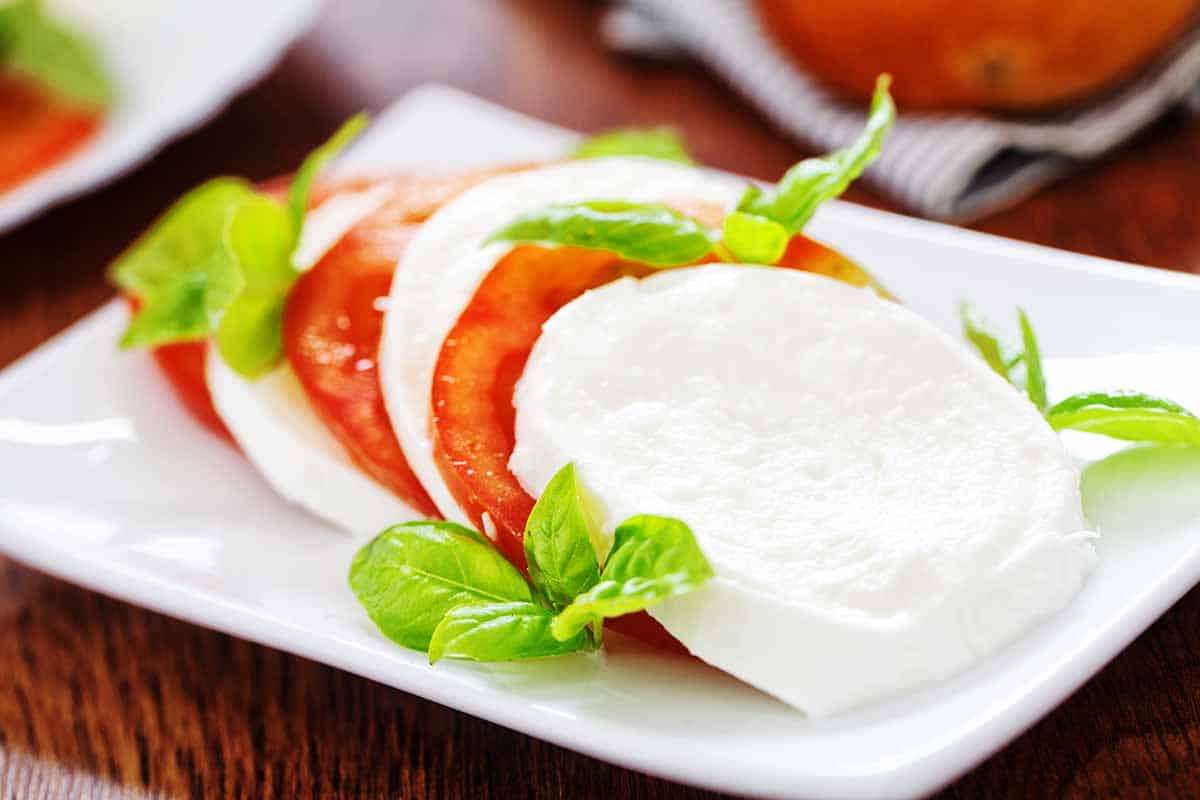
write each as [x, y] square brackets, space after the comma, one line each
[101, 699]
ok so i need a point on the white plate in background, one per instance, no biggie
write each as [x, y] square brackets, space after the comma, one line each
[173, 64]
[106, 482]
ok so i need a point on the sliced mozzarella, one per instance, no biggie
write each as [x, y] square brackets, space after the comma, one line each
[446, 260]
[880, 509]
[275, 425]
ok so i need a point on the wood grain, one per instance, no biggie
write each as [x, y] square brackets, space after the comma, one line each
[101, 699]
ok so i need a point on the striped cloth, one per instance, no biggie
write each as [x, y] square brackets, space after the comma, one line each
[952, 166]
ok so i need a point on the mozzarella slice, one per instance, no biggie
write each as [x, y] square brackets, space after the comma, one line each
[880, 509]
[275, 425]
[446, 261]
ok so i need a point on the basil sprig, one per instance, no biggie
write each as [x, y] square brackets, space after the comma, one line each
[803, 188]
[661, 143]
[757, 231]
[51, 53]
[441, 588]
[1122, 414]
[653, 558]
[219, 263]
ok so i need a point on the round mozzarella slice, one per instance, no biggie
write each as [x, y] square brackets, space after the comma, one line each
[880, 509]
[447, 259]
[275, 425]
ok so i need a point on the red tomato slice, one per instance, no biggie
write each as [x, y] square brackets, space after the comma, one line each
[37, 130]
[485, 353]
[334, 319]
[331, 329]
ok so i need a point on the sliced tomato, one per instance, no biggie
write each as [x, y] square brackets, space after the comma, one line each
[334, 319]
[331, 329]
[485, 353]
[37, 129]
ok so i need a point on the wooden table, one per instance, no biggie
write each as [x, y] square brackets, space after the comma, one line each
[101, 699]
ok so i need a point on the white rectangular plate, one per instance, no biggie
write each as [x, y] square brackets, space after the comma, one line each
[106, 482]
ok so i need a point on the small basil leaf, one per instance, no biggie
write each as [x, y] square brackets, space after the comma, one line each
[500, 632]
[753, 239]
[411, 575]
[1000, 355]
[175, 312]
[1035, 378]
[805, 186]
[1129, 416]
[51, 53]
[183, 240]
[648, 234]
[259, 242]
[653, 558]
[231, 246]
[561, 537]
[249, 336]
[661, 143]
[315, 162]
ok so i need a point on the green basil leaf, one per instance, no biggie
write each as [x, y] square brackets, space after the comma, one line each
[249, 337]
[1035, 378]
[648, 234]
[661, 143]
[177, 313]
[561, 538]
[999, 354]
[181, 270]
[52, 54]
[411, 575]
[315, 162]
[184, 240]
[653, 558]
[259, 240]
[1130, 416]
[753, 239]
[805, 186]
[500, 632]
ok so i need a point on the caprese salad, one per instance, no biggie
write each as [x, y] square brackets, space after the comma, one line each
[53, 91]
[626, 392]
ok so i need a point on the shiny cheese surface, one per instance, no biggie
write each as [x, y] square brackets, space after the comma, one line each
[880, 509]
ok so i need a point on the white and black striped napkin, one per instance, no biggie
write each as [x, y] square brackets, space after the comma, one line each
[952, 166]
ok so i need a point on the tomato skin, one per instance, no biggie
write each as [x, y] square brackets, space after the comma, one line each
[37, 129]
